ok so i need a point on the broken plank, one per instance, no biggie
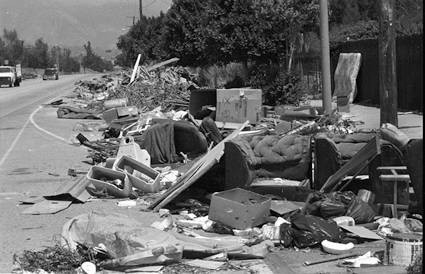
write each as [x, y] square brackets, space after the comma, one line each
[136, 66]
[169, 61]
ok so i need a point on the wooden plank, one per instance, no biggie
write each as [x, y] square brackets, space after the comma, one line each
[366, 153]
[136, 66]
[391, 168]
[196, 171]
[169, 61]
[392, 178]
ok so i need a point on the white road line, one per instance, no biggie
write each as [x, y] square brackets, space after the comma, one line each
[30, 119]
[42, 129]
[12, 146]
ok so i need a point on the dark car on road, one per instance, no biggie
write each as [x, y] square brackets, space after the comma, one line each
[51, 74]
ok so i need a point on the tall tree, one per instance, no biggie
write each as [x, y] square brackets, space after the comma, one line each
[13, 47]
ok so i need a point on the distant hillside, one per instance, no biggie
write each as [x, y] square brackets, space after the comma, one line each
[71, 23]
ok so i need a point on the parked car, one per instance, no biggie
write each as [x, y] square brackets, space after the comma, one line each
[51, 74]
[10, 76]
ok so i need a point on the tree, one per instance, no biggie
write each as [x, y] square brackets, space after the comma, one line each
[143, 38]
[226, 31]
[12, 48]
[95, 62]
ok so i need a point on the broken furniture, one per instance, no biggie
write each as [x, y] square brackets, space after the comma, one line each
[255, 162]
[196, 171]
[141, 176]
[405, 176]
[239, 208]
[101, 178]
[331, 152]
[396, 179]
[166, 139]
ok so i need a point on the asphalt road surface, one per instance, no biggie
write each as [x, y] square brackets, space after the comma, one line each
[35, 155]
[31, 161]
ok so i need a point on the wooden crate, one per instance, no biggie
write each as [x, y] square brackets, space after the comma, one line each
[239, 105]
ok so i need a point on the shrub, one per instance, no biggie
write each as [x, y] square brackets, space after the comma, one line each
[279, 87]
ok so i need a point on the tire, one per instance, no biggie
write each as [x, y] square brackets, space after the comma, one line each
[11, 84]
[17, 83]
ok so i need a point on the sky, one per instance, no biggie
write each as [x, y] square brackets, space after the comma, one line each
[71, 23]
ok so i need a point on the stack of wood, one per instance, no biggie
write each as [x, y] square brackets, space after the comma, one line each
[153, 88]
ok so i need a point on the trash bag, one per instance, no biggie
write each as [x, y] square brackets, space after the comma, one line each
[328, 205]
[310, 230]
[360, 211]
[332, 208]
[286, 235]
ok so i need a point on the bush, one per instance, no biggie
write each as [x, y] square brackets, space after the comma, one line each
[224, 76]
[279, 87]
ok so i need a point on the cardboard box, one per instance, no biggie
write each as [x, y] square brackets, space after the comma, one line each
[239, 208]
[239, 105]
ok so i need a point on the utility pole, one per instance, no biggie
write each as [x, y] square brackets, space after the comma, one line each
[387, 63]
[140, 9]
[326, 67]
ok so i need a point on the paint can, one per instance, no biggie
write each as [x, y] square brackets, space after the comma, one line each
[402, 248]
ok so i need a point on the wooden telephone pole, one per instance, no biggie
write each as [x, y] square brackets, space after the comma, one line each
[326, 67]
[140, 10]
[387, 63]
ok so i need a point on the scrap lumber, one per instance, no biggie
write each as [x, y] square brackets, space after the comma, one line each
[136, 66]
[196, 171]
[169, 61]
[326, 260]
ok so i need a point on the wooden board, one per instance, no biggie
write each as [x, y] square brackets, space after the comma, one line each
[239, 105]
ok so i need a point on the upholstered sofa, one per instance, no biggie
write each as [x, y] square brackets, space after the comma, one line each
[332, 151]
[251, 160]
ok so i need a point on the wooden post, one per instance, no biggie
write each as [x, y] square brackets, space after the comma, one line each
[387, 63]
[326, 67]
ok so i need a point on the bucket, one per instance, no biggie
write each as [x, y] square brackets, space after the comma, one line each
[402, 248]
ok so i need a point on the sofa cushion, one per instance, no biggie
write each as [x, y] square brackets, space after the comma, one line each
[271, 149]
[271, 156]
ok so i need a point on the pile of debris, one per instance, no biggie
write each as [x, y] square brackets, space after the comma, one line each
[168, 89]
[224, 189]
